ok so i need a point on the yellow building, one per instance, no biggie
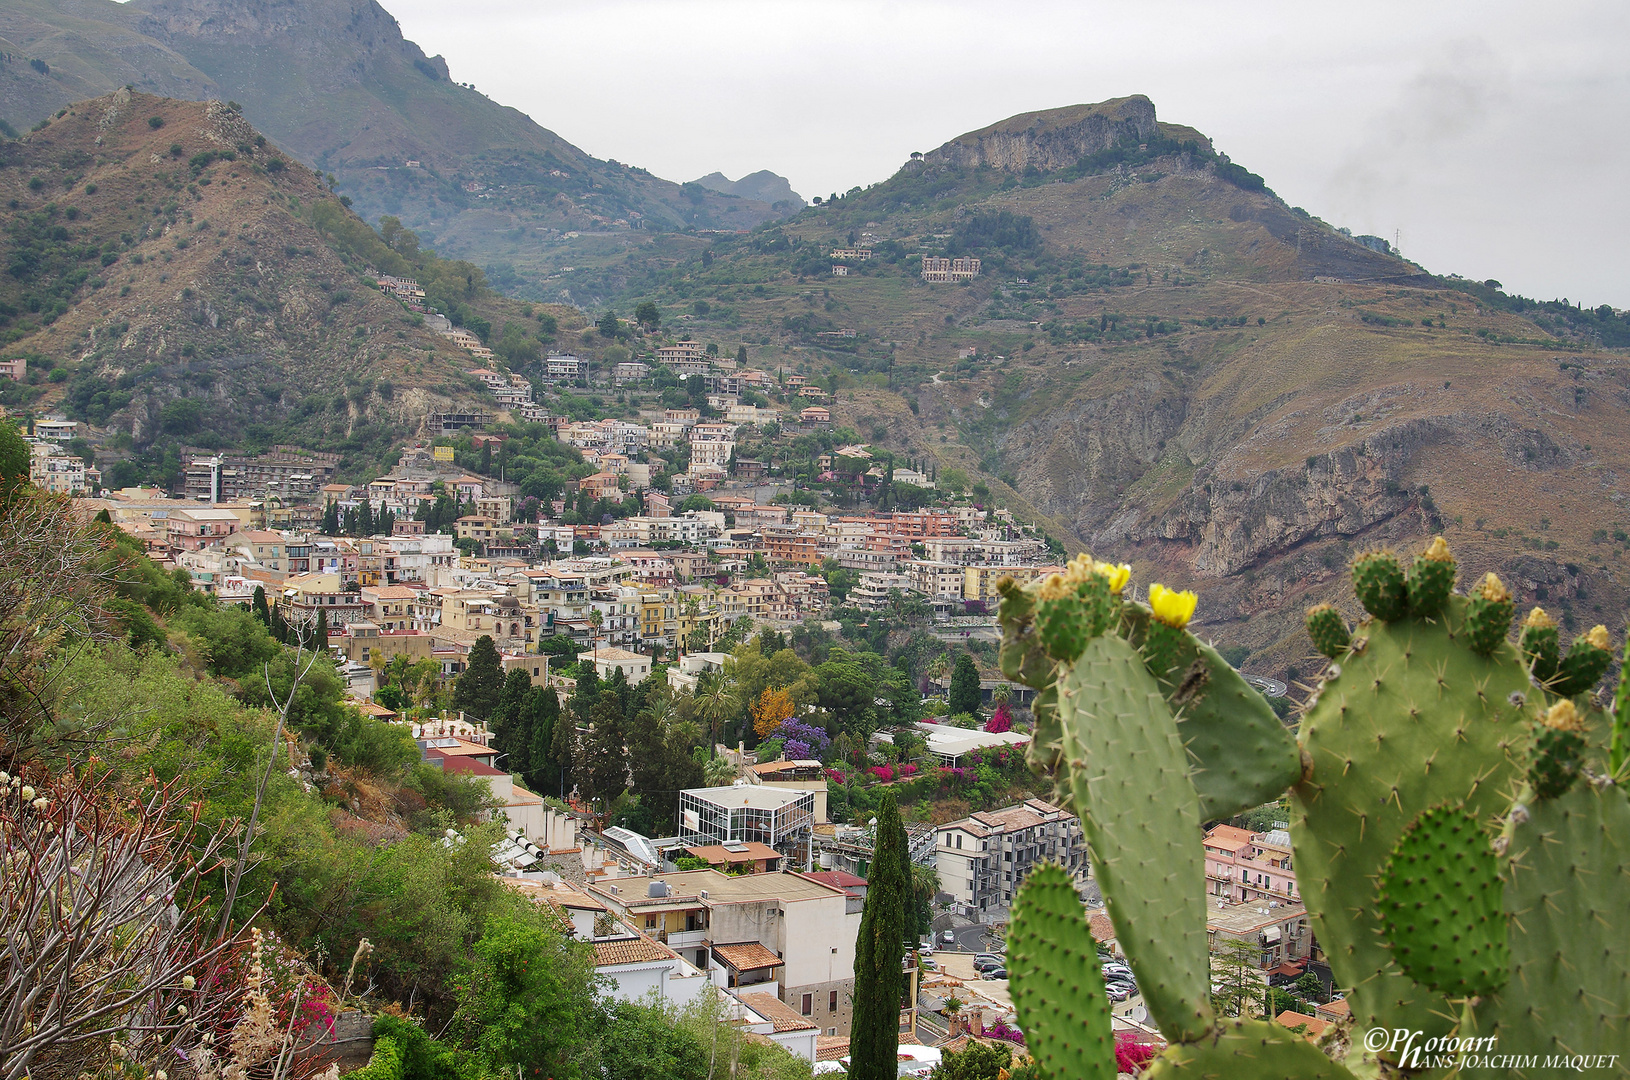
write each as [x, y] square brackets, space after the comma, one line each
[979, 582]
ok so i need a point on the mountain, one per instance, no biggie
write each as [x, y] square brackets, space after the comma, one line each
[1165, 363]
[334, 83]
[764, 186]
[172, 276]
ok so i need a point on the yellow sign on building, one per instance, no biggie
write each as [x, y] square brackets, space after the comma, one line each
[442, 453]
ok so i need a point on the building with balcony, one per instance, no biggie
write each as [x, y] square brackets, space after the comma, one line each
[985, 857]
[1246, 867]
[783, 819]
[1279, 931]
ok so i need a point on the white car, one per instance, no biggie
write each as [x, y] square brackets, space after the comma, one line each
[948, 937]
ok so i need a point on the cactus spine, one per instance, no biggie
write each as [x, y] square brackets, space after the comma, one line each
[1379, 581]
[1430, 580]
[1488, 616]
[1328, 630]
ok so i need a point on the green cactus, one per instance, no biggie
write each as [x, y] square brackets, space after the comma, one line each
[1567, 895]
[1557, 756]
[1439, 903]
[1057, 984]
[1247, 1050]
[1128, 779]
[1541, 646]
[1430, 580]
[1488, 616]
[1409, 719]
[1619, 744]
[1328, 630]
[1587, 661]
[1379, 581]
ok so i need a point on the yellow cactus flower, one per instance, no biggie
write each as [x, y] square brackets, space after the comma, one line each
[1493, 589]
[1438, 550]
[1598, 637]
[1117, 575]
[1171, 607]
[1054, 587]
[1564, 717]
[1539, 620]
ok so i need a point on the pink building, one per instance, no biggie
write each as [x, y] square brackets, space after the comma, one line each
[1242, 866]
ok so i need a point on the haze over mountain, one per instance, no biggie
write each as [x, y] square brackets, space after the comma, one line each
[336, 84]
[764, 185]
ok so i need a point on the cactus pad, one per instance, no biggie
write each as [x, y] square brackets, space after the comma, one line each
[1567, 895]
[1247, 1050]
[1488, 616]
[1378, 580]
[1129, 783]
[1585, 664]
[1431, 579]
[1062, 624]
[1412, 720]
[1619, 744]
[1328, 630]
[1540, 645]
[1058, 987]
[1439, 900]
[1240, 754]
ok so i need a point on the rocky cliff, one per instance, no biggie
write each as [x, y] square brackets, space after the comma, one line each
[1054, 139]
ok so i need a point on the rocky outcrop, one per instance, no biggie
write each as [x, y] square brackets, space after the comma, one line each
[1053, 139]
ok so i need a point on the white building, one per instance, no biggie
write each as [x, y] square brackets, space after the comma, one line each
[985, 857]
[608, 659]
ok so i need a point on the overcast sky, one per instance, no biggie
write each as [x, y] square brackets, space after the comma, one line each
[1492, 137]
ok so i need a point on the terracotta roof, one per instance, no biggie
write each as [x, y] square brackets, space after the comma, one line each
[831, 1047]
[838, 879]
[1315, 1026]
[718, 853]
[1229, 832]
[637, 950]
[1102, 928]
[463, 765]
[1336, 1009]
[747, 956]
[777, 1012]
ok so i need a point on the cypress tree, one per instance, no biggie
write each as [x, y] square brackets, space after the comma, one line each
[478, 689]
[543, 717]
[964, 696]
[562, 749]
[259, 608]
[331, 518]
[874, 1038]
[508, 721]
[319, 639]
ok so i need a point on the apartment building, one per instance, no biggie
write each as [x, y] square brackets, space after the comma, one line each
[712, 444]
[1245, 867]
[1279, 931]
[197, 527]
[562, 366]
[985, 857]
[781, 934]
[726, 815]
[55, 470]
[936, 268]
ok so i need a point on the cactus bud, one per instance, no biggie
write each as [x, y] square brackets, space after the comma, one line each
[1328, 630]
[1431, 579]
[1488, 616]
[1379, 581]
[1559, 743]
[1061, 619]
[1585, 664]
[1541, 645]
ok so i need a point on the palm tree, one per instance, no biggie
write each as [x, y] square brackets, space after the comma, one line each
[939, 668]
[716, 700]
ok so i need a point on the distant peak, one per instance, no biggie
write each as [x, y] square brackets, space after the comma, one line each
[1052, 138]
[764, 186]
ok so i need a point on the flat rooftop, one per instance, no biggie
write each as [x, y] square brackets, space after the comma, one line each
[756, 796]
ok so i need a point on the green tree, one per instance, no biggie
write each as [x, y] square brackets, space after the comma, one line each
[14, 461]
[1235, 977]
[331, 519]
[508, 722]
[659, 754]
[879, 983]
[259, 609]
[319, 637]
[478, 689]
[964, 696]
[647, 315]
[716, 700]
[563, 750]
[978, 1061]
[608, 325]
[527, 1001]
[542, 718]
[603, 772]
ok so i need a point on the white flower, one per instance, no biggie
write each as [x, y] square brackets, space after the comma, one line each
[28, 794]
[161, 1075]
[41, 803]
[181, 1010]
[188, 982]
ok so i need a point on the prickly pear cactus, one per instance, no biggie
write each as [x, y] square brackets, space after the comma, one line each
[1557, 756]
[1407, 719]
[1058, 986]
[1246, 1050]
[1128, 777]
[1567, 898]
[1439, 903]
[1328, 630]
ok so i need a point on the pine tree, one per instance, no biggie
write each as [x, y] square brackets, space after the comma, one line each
[563, 749]
[477, 690]
[259, 608]
[964, 696]
[365, 524]
[331, 518]
[874, 1038]
[280, 626]
[604, 769]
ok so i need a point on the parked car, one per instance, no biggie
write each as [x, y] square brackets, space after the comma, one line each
[1113, 968]
[987, 956]
[1117, 994]
[982, 966]
[996, 973]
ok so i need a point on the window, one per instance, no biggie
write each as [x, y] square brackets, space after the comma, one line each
[832, 1002]
[807, 1004]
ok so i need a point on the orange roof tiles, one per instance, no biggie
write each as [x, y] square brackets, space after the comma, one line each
[747, 956]
[637, 950]
[777, 1012]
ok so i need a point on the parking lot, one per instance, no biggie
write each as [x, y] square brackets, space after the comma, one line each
[960, 965]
